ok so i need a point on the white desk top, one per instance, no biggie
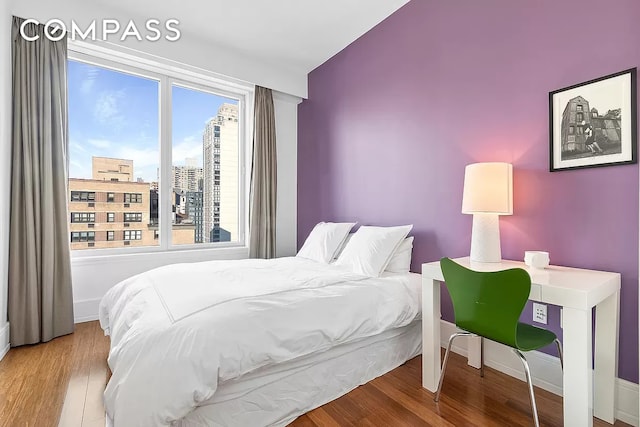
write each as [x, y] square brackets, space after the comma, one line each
[564, 286]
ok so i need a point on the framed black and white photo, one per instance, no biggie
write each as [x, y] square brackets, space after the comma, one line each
[593, 124]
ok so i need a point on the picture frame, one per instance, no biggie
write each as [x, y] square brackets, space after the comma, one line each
[594, 124]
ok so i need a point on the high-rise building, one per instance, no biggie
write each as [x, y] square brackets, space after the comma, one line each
[220, 155]
[194, 204]
[188, 177]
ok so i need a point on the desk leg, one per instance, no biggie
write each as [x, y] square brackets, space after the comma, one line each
[606, 359]
[430, 334]
[577, 377]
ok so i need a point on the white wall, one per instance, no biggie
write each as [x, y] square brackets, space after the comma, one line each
[287, 148]
[5, 166]
[190, 49]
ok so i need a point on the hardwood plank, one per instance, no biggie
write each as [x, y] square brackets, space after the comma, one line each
[320, 418]
[34, 380]
[305, 421]
[466, 400]
[98, 371]
[62, 382]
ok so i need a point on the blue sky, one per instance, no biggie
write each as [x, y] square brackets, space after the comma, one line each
[113, 114]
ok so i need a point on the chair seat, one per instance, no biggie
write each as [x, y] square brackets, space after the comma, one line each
[530, 337]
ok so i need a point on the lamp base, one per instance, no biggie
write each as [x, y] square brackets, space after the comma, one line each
[485, 238]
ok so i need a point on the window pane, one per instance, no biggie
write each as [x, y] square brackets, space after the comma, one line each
[113, 155]
[205, 172]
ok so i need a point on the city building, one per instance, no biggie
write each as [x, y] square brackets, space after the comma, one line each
[220, 155]
[108, 169]
[194, 210]
[109, 214]
[113, 211]
[188, 177]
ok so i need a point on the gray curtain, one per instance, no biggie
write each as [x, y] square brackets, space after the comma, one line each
[40, 298]
[262, 216]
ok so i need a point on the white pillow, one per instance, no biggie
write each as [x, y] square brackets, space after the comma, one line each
[401, 260]
[342, 246]
[370, 249]
[324, 240]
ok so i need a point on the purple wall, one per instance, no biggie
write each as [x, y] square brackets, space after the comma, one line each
[392, 120]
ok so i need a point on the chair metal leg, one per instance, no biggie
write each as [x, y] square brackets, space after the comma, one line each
[559, 345]
[527, 373]
[482, 357]
[446, 358]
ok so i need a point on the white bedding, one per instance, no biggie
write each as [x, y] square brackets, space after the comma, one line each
[180, 330]
[275, 396]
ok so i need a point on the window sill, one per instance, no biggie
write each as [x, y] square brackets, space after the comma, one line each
[171, 256]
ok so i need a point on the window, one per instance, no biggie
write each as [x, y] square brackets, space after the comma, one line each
[83, 196]
[210, 177]
[133, 217]
[578, 107]
[108, 106]
[133, 197]
[579, 117]
[132, 234]
[83, 217]
[571, 130]
[83, 236]
[116, 143]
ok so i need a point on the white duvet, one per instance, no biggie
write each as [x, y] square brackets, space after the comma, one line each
[180, 330]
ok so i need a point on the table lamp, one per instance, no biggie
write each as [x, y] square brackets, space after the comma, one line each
[488, 192]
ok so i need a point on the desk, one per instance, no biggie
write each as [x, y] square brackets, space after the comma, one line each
[577, 291]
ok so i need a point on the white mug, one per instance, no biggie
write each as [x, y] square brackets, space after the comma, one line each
[536, 259]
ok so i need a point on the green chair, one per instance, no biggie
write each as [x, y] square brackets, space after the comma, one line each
[489, 305]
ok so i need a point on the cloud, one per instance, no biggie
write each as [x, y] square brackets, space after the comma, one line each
[100, 143]
[107, 108]
[189, 147]
[75, 146]
[142, 157]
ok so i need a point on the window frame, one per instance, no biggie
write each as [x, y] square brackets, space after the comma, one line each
[167, 74]
[77, 217]
[128, 215]
[79, 233]
[137, 235]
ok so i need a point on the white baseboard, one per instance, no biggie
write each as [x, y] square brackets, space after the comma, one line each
[545, 370]
[4, 340]
[86, 310]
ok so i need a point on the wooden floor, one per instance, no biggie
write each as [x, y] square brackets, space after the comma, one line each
[57, 383]
[61, 383]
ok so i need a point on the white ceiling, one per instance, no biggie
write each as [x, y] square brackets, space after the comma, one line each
[300, 34]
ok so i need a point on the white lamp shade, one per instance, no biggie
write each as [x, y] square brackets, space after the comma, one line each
[488, 188]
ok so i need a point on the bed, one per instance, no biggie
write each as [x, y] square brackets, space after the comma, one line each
[251, 342]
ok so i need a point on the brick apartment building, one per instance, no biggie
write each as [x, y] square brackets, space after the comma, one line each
[113, 211]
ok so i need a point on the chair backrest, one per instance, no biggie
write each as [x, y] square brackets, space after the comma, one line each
[487, 303]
